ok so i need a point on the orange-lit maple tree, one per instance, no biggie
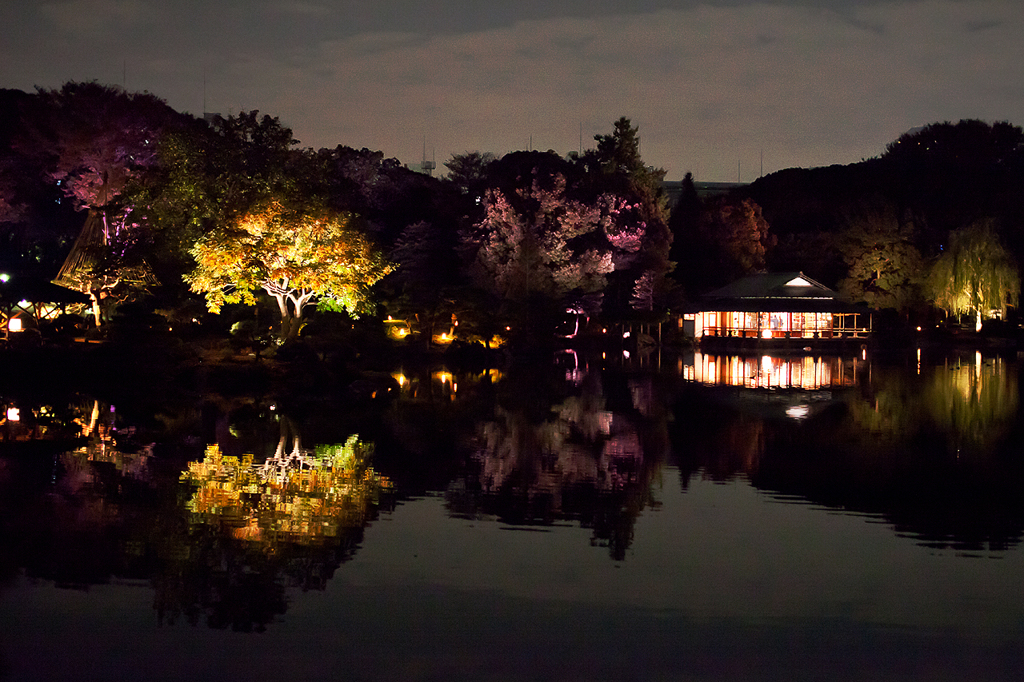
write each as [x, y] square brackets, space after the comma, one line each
[297, 257]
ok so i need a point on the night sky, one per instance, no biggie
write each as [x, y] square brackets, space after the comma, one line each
[714, 86]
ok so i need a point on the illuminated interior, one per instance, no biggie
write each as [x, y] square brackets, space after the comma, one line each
[777, 325]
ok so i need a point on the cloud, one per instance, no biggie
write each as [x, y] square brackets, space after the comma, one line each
[305, 9]
[91, 18]
[711, 86]
[708, 85]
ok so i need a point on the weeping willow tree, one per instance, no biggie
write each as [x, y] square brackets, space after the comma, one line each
[975, 274]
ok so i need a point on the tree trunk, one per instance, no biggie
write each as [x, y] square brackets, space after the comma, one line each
[94, 296]
[291, 322]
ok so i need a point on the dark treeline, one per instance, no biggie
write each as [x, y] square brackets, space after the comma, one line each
[120, 197]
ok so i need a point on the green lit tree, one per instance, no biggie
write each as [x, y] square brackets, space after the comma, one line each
[975, 274]
[884, 266]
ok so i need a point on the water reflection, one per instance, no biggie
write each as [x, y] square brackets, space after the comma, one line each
[771, 372]
[965, 405]
[929, 448]
[300, 496]
[926, 447]
[578, 458]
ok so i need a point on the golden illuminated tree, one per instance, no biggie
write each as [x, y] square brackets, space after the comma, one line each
[297, 257]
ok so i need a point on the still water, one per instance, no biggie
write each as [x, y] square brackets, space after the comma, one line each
[700, 517]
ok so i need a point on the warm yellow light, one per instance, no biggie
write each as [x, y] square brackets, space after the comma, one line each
[14, 324]
[766, 334]
[13, 414]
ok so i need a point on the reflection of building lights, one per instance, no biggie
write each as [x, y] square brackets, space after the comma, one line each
[798, 411]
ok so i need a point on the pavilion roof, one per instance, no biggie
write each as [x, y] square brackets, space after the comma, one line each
[778, 292]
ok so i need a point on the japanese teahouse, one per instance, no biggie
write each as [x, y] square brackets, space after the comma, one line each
[787, 305]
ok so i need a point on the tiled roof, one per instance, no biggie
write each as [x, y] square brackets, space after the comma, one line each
[789, 285]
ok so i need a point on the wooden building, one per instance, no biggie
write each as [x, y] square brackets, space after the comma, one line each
[25, 302]
[775, 306]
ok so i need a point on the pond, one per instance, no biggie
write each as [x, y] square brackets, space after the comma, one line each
[647, 518]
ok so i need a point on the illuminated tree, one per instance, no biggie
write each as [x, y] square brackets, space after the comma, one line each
[97, 140]
[737, 238]
[540, 246]
[617, 168]
[974, 274]
[884, 266]
[295, 256]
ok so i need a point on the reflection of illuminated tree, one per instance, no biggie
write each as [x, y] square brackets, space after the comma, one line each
[583, 462]
[932, 454]
[302, 496]
[969, 404]
[253, 530]
[974, 403]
